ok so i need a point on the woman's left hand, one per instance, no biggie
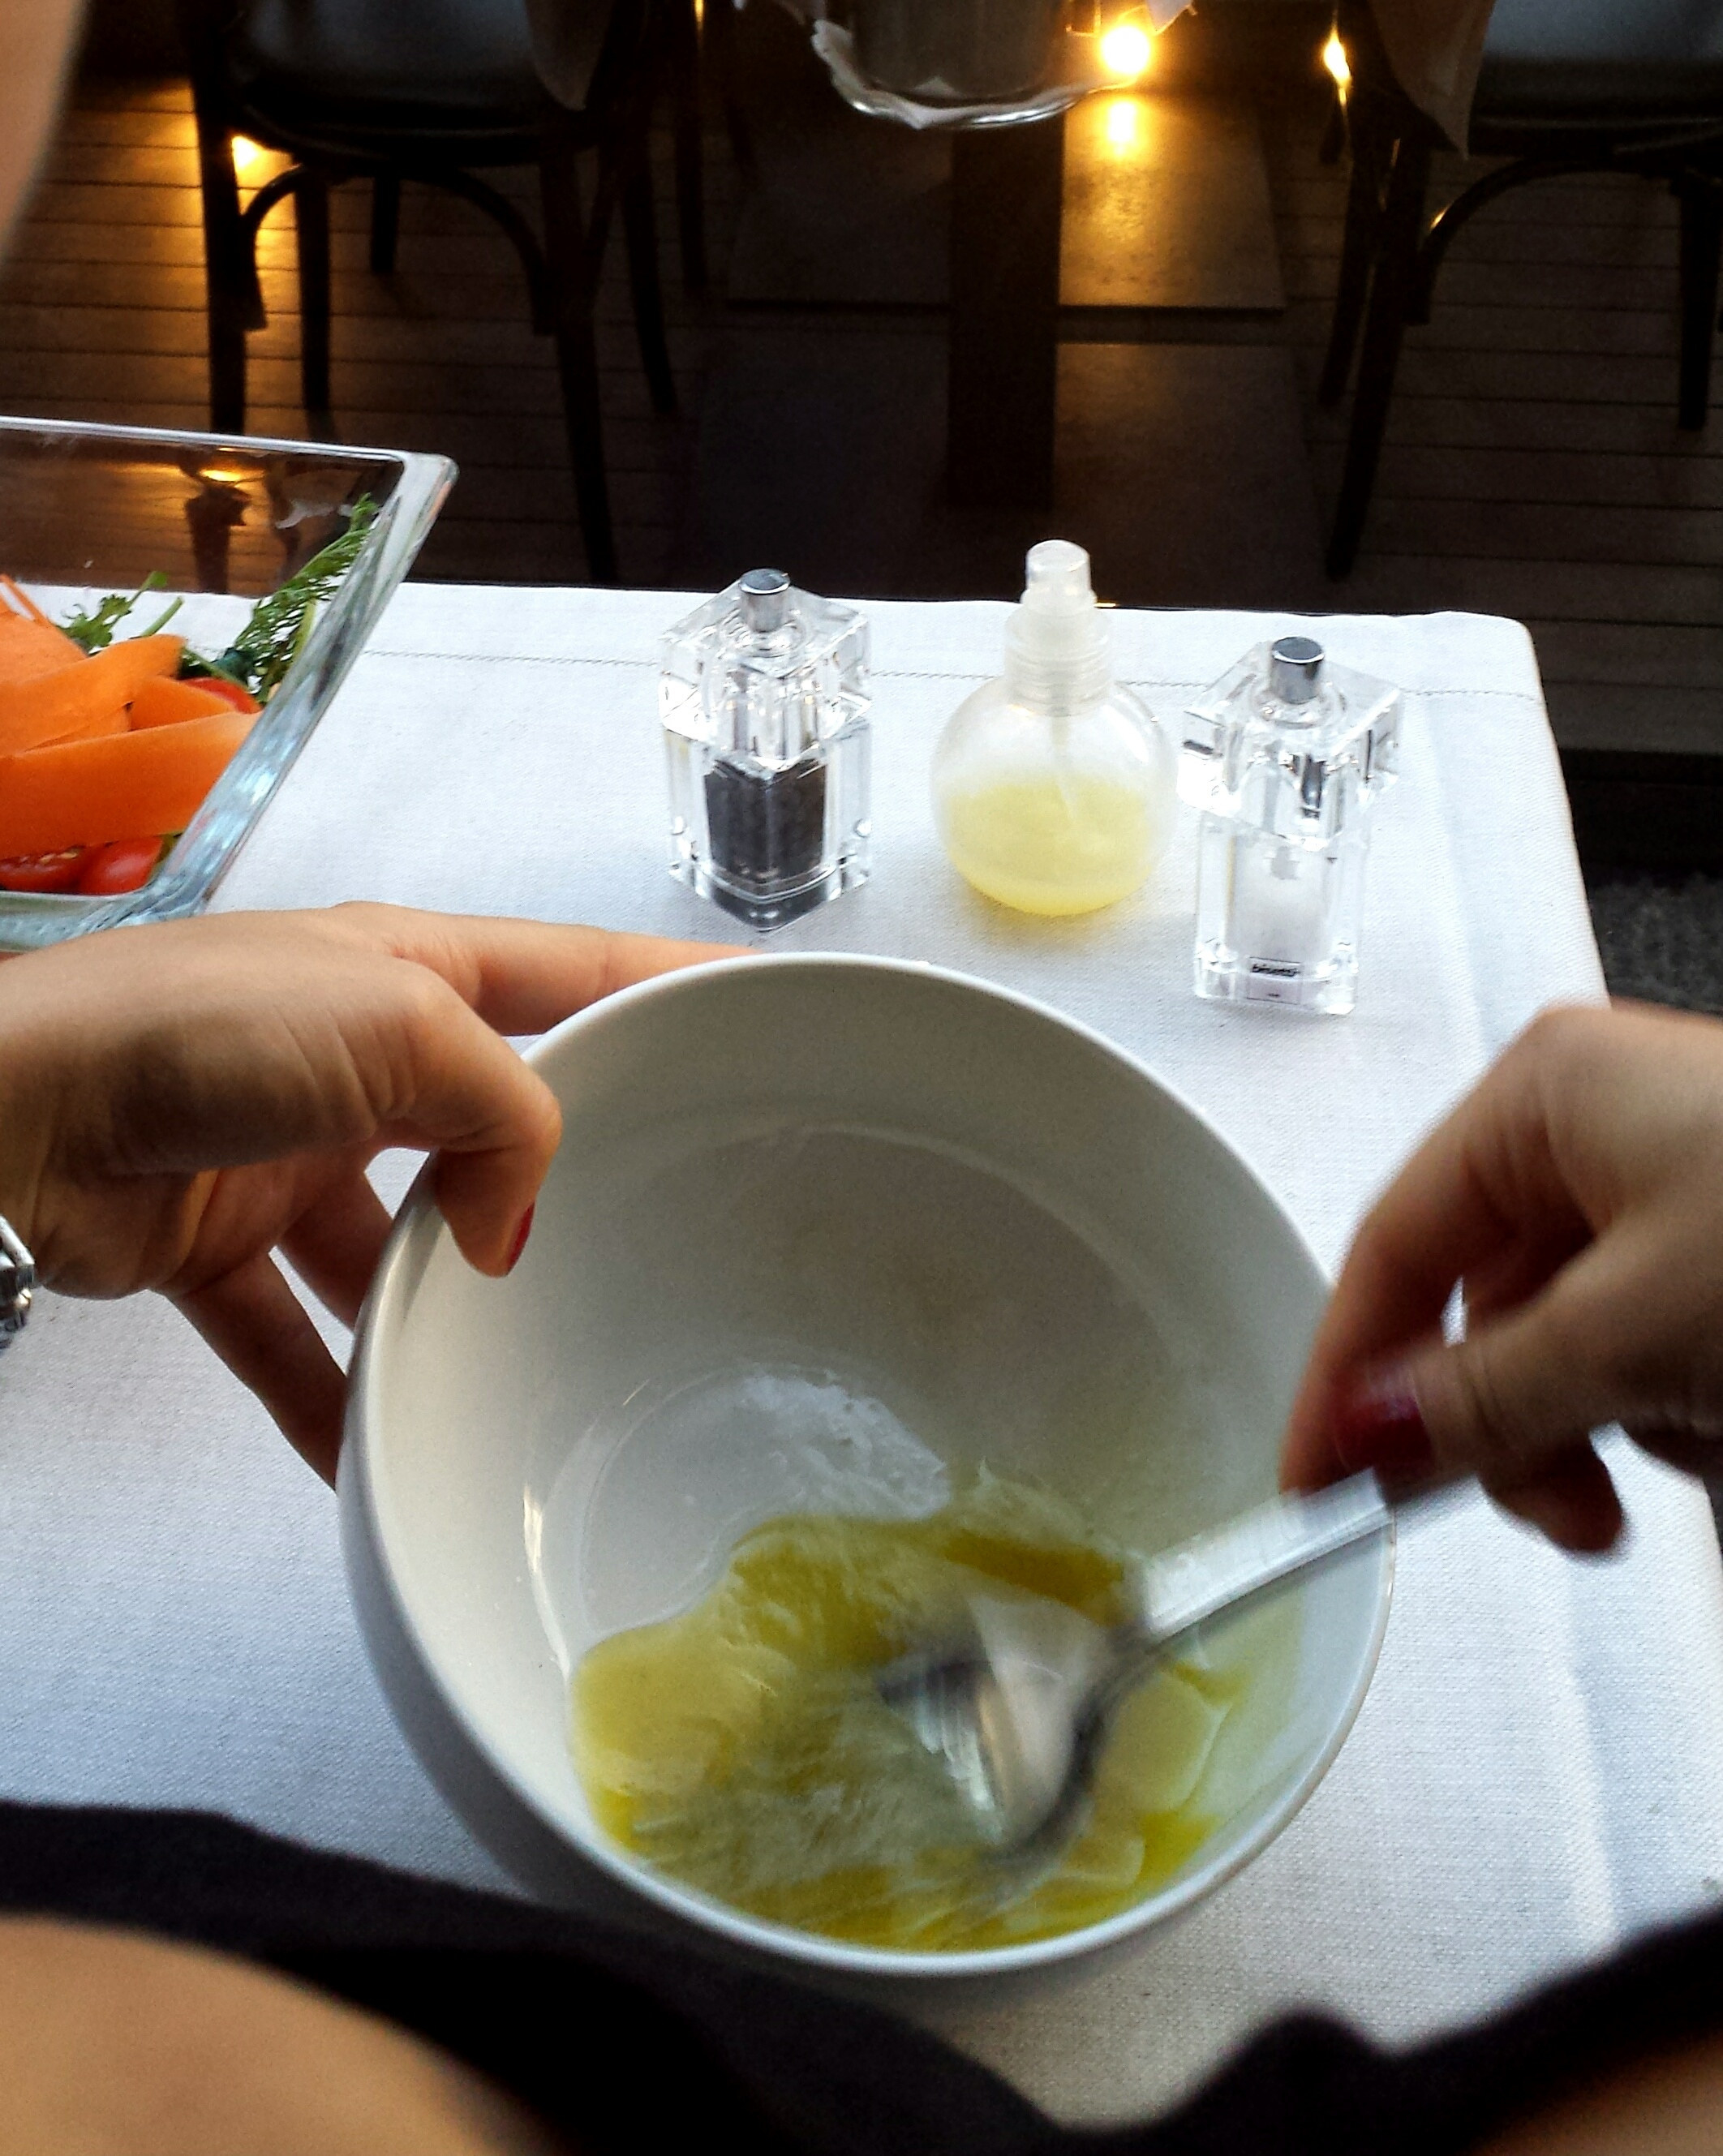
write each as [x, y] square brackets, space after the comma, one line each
[177, 1103]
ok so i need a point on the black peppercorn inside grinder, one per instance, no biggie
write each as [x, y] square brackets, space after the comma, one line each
[763, 697]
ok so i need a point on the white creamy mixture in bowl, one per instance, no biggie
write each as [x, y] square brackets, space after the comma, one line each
[853, 1285]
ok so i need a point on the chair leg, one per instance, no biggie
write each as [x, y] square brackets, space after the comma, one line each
[639, 228]
[718, 28]
[1358, 250]
[231, 293]
[683, 33]
[385, 222]
[1333, 146]
[572, 282]
[1384, 329]
[311, 219]
[1701, 200]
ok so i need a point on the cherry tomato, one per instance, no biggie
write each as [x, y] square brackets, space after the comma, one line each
[232, 692]
[124, 864]
[42, 871]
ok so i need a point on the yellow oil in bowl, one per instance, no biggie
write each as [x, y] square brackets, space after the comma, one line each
[742, 1748]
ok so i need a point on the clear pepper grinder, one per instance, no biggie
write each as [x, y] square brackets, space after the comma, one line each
[764, 698]
[1296, 755]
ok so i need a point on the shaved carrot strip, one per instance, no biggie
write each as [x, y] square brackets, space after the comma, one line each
[163, 701]
[89, 792]
[29, 606]
[116, 721]
[31, 648]
[80, 698]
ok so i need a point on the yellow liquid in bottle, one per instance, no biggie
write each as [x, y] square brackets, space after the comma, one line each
[742, 1747]
[1064, 844]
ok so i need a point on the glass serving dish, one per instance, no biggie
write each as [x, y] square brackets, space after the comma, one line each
[1074, 69]
[86, 510]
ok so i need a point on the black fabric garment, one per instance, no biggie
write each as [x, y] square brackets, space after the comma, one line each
[629, 2045]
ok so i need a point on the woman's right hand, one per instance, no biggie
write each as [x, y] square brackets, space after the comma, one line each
[1576, 1197]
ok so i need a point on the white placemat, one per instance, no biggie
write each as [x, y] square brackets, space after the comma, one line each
[1536, 1771]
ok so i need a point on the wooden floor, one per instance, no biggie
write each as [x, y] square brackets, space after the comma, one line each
[101, 317]
[1534, 467]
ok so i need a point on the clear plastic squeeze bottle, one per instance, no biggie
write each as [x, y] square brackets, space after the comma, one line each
[1054, 787]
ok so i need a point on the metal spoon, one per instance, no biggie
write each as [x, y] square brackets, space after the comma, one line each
[1017, 1709]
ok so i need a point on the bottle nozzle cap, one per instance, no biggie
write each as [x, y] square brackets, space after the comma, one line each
[1058, 578]
[1296, 668]
[1058, 655]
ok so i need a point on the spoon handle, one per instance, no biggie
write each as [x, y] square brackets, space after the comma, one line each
[1232, 1564]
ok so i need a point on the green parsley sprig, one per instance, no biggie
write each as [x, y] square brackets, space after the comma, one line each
[275, 634]
[94, 627]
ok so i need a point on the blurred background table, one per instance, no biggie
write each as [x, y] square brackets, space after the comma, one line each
[1535, 1774]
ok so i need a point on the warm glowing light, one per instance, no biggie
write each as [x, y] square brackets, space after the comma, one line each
[224, 474]
[1125, 51]
[1333, 59]
[1124, 123]
[247, 155]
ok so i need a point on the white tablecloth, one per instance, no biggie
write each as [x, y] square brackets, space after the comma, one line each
[1538, 1770]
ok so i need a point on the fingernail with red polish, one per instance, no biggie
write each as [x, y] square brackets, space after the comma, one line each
[1379, 1424]
[519, 1242]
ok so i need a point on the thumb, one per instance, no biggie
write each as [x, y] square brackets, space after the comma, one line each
[1488, 1410]
[1518, 1393]
[1514, 1403]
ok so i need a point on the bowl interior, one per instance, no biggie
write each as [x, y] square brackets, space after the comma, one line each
[822, 1233]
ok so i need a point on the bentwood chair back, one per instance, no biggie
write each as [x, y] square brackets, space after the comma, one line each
[437, 91]
[1567, 86]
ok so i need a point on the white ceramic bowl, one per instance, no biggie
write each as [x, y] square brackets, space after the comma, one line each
[802, 1205]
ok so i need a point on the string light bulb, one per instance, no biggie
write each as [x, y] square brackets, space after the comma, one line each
[1333, 59]
[1126, 50]
[247, 156]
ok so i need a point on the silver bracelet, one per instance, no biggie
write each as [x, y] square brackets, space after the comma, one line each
[17, 1284]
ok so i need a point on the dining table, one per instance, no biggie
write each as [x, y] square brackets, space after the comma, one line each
[1008, 183]
[1536, 1773]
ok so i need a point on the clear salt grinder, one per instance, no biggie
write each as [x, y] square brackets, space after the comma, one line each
[1286, 755]
[763, 697]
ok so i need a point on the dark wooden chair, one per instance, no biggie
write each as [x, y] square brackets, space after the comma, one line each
[437, 91]
[1567, 86]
